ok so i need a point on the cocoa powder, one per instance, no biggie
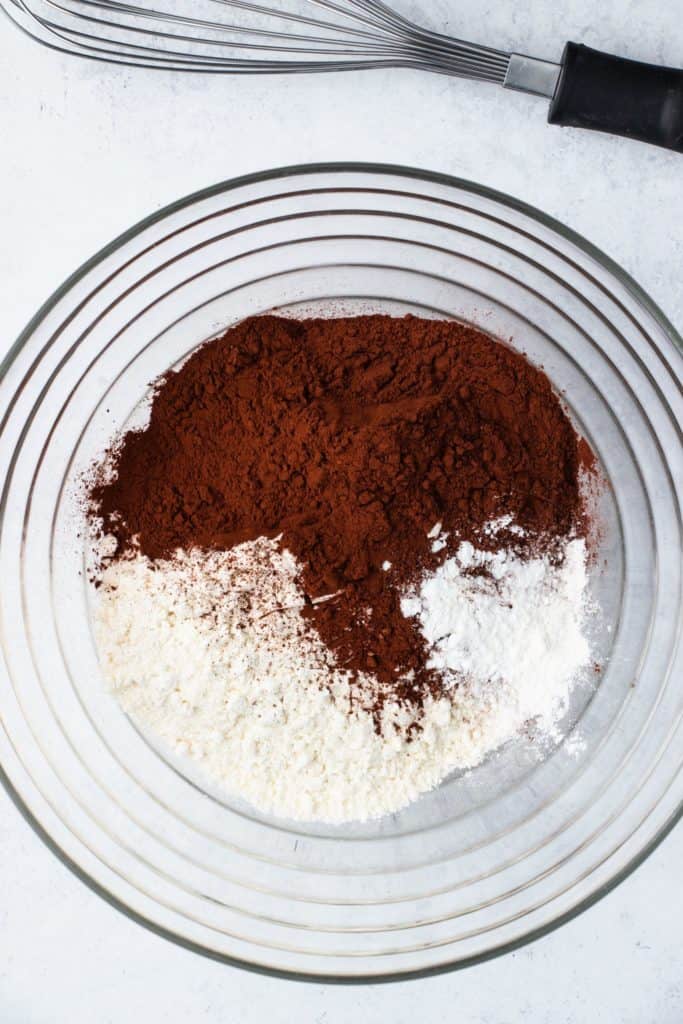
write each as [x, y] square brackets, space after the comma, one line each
[349, 438]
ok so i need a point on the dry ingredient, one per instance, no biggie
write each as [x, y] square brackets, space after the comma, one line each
[360, 539]
[349, 438]
[211, 652]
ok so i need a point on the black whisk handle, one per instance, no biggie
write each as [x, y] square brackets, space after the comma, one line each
[624, 97]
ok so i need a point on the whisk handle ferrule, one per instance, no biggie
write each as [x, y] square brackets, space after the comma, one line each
[623, 97]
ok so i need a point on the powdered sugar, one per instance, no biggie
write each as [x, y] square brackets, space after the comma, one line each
[511, 627]
[210, 652]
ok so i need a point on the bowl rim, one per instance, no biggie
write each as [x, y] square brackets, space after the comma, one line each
[640, 296]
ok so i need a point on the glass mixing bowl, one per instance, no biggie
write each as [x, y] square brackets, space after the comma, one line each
[490, 859]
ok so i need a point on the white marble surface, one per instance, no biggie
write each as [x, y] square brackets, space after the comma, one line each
[89, 150]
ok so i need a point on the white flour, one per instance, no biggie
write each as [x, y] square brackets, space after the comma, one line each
[210, 653]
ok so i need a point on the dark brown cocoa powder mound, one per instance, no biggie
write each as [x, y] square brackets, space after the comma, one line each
[351, 438]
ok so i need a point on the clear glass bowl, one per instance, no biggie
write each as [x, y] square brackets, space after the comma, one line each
[490, 859]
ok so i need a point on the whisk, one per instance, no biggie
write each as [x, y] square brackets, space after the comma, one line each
[587, 89]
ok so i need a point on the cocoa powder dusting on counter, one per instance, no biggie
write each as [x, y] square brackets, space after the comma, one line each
[350, 439]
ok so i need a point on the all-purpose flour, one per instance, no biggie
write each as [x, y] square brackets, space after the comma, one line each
[210, 652]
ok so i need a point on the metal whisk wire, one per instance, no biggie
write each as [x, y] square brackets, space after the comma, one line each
[292, 36]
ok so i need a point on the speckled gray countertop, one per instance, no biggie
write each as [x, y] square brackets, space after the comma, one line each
[87, 151]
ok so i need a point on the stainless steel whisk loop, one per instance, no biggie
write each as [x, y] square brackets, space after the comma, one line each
[588, 89]
[252, 38]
